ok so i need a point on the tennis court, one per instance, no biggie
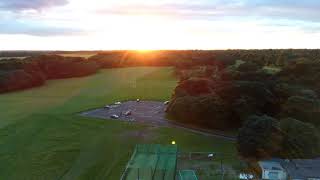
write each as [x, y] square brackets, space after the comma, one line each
[187, 175]
[152, 162]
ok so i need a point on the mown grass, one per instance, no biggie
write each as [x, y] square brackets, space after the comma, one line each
[43, 137]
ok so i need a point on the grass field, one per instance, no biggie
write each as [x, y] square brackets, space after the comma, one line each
[78, 54]
[43, 137]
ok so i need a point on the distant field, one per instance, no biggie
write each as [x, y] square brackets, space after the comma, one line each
[271, 70]
[42, 137]
[1, 58]
[80, 54]
[73, 54]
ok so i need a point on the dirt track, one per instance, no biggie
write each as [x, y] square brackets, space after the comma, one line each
[147, 112]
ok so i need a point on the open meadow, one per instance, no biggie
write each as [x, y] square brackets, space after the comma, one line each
[43, 137]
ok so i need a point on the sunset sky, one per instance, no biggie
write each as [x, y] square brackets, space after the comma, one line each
[158, 24]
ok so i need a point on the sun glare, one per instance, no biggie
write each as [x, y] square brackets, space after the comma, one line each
[144, 51]
[141, 33]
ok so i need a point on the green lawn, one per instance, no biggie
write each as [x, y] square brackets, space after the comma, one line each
[42, 137]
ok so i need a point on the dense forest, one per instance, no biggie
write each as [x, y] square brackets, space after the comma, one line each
[16, 74]
[9, 54]
[270, 96]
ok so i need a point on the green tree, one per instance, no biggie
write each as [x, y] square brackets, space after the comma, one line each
[248, 66]
[280, 60]
[301, 140]
[207, 111]
[304, 108]
[259, 138]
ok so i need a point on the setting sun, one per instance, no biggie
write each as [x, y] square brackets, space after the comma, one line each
[160, 89]
[143, 51]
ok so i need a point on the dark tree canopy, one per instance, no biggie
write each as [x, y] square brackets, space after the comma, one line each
[301, 140]
[305, 108]
[259, 138]
[205, 111]
[34, 71]
[263, 137]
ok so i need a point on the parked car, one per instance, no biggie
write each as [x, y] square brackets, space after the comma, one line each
[114, 116]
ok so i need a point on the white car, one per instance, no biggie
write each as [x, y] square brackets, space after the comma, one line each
[114, 116]
[107, 107]
[128, 113]
[166, 102]
[210, 155]
[117, 103]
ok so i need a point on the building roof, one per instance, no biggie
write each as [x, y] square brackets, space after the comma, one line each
[302, 168]
[271, 165]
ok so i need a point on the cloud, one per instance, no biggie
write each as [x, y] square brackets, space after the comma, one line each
[36, 29]
[17, 5]
[284, 9]
[265, 16]
[287, 9]
[205, 18]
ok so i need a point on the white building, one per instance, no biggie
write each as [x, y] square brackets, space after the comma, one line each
[295, 169]
[272, 170]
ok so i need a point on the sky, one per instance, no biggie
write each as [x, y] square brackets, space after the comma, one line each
[158, 24]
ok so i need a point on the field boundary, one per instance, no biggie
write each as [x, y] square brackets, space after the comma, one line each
[205, 132]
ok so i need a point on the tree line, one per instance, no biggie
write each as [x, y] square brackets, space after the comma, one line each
[270, 96]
